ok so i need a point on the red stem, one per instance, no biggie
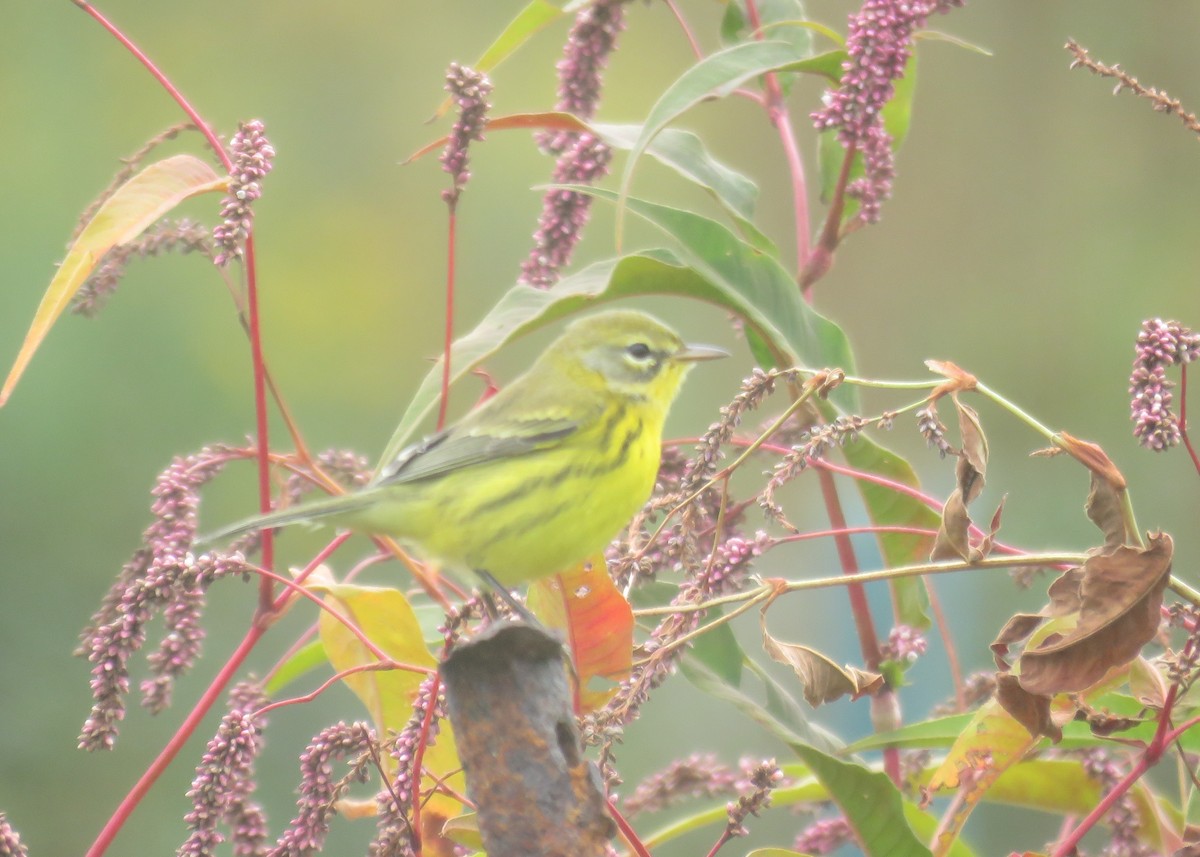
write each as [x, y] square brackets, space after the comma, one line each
[173, 746]
[687, 31]
[266, 589]
[867, 640]
[627, 832]
[419, 761]
[260, 397]
[720, 843]
[166, 84]
[1150, 756]
[259, 625]
[1183, 424]
[376, 666]
[777, 112]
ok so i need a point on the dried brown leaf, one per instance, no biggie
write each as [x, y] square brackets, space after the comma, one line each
[984, 548]
[1105, 509]
[952, 540]
[972, 464]
[1064, 594]
[1031, 710]
[958, 380]
[1120, 594]
[1091, 456]
[824, 681]
[1015, 630]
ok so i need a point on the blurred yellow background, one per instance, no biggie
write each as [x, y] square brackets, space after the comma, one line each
[1036, 221]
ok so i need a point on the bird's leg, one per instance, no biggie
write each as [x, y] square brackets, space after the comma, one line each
[523, 612]
[496, 588]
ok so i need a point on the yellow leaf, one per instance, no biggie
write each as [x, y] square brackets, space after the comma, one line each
[134, 206]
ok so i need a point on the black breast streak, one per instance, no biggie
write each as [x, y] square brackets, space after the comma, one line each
[622, 455]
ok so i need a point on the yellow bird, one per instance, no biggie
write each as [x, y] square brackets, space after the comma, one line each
[541, 476]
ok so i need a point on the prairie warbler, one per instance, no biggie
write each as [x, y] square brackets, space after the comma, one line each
[543, 474]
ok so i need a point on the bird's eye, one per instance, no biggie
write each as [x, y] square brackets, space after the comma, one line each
[639, 351]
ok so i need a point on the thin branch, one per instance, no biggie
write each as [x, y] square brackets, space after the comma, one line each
[1163, 103]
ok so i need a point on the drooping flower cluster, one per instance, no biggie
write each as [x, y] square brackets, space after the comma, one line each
[224, 782]
[699, 775]
[933, 430]
[878, 45]
[469, 89]
[1160, 344]
[163, 576]
[1123, 818]
[318, 788]
[182, 235]
[815, 443]
[757, 796]
[395, 834]
[582, 158]
[824, 836]
[565, 212]
[252, 154]
[10, 840]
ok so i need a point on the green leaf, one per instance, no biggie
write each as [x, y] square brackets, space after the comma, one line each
[684, 152]
[937, 733]
[718, 649]
[790, 730]
[890, 508]
[827, 65]
[925, 826]
[781, 20]
[746, 282]
[298, 665]
[716, 75]
[524, 309]
[872, 805]
[767, 294]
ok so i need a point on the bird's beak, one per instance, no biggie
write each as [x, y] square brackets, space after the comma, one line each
[695, 353]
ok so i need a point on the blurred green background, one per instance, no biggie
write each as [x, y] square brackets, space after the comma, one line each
[1036, 221]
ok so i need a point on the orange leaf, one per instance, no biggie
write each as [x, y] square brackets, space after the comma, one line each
[134, 206]
[598, 622]
[548, 121]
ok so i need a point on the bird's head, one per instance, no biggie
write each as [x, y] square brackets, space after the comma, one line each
[632, 354]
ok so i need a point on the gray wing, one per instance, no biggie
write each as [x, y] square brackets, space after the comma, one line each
[457, 448]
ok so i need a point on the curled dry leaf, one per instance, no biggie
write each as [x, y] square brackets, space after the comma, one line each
[1105, 508]
[1091, 456]
[953, 538]
[1031, 710]
[824, 681]
[1119, 595]
[958, 380]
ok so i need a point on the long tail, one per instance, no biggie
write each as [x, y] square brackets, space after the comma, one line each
[317, 510]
